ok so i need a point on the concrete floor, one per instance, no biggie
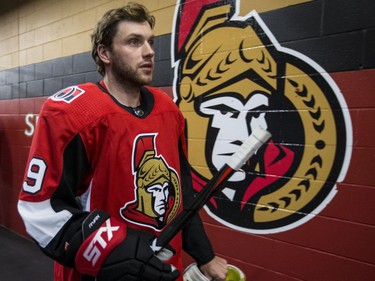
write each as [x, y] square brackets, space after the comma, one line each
[22, 260]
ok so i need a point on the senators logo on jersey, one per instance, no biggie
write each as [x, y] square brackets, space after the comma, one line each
[156, 187]
[68, 94]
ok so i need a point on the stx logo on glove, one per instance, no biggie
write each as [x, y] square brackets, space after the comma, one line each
[99, 242]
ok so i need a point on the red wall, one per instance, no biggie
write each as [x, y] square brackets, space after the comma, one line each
[14, 147]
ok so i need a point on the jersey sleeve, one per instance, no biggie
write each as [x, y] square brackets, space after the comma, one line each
[195, 241]
[56, 172]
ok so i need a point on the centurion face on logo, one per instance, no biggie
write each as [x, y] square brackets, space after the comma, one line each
[231, 76]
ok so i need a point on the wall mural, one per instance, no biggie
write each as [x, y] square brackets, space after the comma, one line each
[231, 75]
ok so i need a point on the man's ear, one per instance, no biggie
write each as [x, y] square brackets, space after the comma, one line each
[103, 53]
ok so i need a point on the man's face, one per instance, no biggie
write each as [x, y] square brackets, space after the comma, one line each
[132, 53]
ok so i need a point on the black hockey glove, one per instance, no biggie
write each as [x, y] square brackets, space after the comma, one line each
[111, 251]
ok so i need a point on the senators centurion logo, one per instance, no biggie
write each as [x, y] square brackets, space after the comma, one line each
[157, 192]
[231, 76]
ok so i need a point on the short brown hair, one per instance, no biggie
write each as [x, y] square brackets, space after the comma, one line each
[106, 28]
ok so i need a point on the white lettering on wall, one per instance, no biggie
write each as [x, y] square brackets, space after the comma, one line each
[31, 121]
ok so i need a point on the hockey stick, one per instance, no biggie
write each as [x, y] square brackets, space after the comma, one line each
[258, 137]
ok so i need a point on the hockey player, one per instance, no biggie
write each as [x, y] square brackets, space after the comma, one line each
[107, 169]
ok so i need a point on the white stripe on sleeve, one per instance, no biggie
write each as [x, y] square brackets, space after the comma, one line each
[41, 221]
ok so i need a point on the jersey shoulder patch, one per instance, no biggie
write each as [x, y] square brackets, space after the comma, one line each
[78, 105]
[68, 94]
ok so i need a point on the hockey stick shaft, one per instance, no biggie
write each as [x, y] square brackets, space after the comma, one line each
[247, 149]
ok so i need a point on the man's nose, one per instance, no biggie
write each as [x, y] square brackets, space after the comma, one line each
[148, 50]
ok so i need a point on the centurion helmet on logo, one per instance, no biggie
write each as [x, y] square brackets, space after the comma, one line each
[233, 76]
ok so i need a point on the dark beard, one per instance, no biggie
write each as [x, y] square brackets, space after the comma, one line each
[125, 75]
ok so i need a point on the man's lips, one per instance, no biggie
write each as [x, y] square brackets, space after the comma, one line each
[146, 66]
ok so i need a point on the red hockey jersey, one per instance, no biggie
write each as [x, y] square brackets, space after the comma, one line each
[90, 152]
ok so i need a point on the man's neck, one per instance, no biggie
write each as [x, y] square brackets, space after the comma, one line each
[128, 95]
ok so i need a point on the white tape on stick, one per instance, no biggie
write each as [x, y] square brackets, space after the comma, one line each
[258, 137]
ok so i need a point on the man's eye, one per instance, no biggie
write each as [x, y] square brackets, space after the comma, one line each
[134, 42]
